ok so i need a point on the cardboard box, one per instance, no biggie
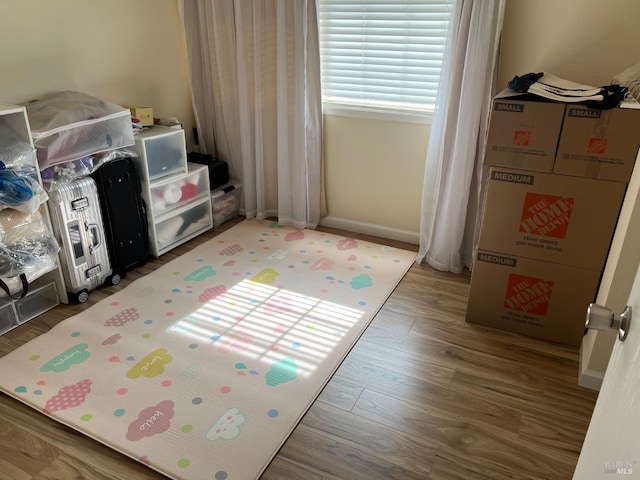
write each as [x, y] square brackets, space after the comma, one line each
[144, 114]
[531, 297]
[555, 218]
[598, 143]
[523, 133]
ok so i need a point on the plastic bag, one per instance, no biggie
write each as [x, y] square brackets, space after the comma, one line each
[25, 243]
[20, 189]
[63, 173]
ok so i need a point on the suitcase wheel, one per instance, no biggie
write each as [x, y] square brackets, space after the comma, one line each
[81, 296]
[113, 279]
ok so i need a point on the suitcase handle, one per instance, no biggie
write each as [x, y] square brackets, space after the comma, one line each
[95, 235]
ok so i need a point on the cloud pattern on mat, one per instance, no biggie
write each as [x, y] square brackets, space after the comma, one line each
[227, 427]
[72, 356]
[152, 365]
[152, 421]
[69, 396]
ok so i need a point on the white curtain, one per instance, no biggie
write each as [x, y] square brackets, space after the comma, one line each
[255, 77]
[453, 172]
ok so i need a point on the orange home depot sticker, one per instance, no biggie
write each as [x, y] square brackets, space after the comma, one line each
[521, 137]
[528, 294]
[546, 215]
[597, 145]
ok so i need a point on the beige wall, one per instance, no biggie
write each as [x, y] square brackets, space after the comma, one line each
[123, 51]
[374, 172]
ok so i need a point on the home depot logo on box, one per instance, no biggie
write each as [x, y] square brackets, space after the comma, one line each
[597, 145]
[546, 215]
[528, 294]
[521, 138]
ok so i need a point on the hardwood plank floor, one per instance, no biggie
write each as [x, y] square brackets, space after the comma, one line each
[422, 395]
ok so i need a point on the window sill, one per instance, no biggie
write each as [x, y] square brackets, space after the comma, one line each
[373, 114]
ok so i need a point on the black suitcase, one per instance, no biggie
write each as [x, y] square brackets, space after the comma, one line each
[125, 214]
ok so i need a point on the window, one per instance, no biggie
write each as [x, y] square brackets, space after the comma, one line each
[382, 55]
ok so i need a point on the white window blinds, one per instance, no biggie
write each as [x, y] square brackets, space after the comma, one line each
[382, 54]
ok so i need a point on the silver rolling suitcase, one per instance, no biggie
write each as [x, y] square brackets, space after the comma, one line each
[77, 224]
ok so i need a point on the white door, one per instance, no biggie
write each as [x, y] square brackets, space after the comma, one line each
[612, 444]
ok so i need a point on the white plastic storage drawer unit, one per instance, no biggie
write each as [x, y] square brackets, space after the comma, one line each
[172, 192]
[162, 152]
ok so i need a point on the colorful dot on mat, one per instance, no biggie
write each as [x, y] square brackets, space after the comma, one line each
[187, 428]
[119, 412]
[309, 327]
[37, 392]
[242, 373]
[131, 358]
[216, 319]
[306, 262]
[168, 301]
[327, 241]
[221, 475]
[295, 344]
[292, 266]
[20, 389]
[362, 303]
[274, 347]
[352, 268]
[374, 256]
[40, 382]
[215, 337]
[367, 267]
[303, 251]
[252, 252]
[146, 335]
[176, 273]
[324, 290]
[189, 291]
[253, 372]
[200, 260]
[193, 345]
[253, 301]
[273, 413]
[169, 314]
[183, 462]
[122, 391]
[176, 290]
[148, 322]
[166, 383]
[240, 366]
[196, 401]
[265, 234]
[225, 389]
[236, 274]
[34, 357]
[340, 281]
[113, 304]
[75, 334]
[86, 417]
[329, 277]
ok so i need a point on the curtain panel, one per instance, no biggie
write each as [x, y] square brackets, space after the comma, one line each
[453, 172]
[254, 68]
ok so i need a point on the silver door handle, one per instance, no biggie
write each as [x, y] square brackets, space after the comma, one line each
[602, 318]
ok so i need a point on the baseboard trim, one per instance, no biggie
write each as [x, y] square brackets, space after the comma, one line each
[371, 229]
[588, 378]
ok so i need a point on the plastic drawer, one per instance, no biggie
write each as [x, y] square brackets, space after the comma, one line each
[8, 317]
[175, 192]
[225, 203]
[37, 302]
[183, 224]
[162, 152]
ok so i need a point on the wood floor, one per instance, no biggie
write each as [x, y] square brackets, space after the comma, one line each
[422, 395]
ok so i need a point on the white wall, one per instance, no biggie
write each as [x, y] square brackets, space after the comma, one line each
[123, 51]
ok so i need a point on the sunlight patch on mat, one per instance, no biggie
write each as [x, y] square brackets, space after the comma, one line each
[268, 323]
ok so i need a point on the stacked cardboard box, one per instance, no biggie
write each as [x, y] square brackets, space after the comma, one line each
[557, 180]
